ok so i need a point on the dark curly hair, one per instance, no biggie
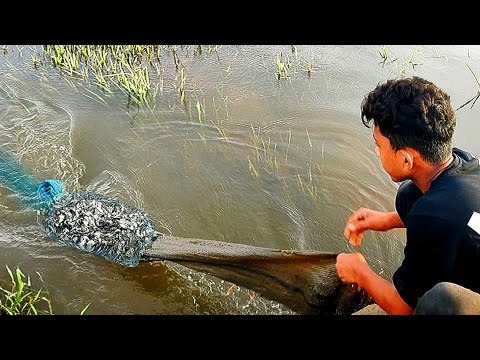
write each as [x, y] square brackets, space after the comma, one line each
[412, 112]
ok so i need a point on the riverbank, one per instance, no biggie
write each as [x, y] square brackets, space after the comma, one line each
[372, 309]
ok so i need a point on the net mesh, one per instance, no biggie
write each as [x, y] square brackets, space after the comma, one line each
[20, 182]
[305, 281]
[101, 225]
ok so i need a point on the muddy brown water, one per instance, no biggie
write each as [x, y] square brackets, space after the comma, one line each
[271, 163]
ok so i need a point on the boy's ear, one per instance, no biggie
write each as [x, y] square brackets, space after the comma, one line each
[408, 158]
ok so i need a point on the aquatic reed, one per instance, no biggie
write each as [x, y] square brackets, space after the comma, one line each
[22, 299]
[475, 98]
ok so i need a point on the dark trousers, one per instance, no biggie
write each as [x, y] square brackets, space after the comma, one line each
[448, 299]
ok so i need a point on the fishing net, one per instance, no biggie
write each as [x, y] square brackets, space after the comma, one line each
[305, 281]
[19, 182]
[88, 221]
[101, 225]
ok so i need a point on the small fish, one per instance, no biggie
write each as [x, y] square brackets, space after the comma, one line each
[305, 281]
[101, 225]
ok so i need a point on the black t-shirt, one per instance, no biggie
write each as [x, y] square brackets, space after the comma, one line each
[440, 246]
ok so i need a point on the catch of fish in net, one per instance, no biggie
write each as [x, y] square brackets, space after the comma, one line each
[305, 281]
[101, 225]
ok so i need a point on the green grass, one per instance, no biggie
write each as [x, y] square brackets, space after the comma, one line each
[129, 68]
[22, 299]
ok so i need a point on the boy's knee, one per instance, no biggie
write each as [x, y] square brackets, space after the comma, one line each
[448, 299]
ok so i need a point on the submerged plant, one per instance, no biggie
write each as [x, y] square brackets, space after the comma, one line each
[399, 68]
[475, 98]
[283, 66]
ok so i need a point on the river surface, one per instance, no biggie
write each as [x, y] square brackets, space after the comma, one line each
[269, 162]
